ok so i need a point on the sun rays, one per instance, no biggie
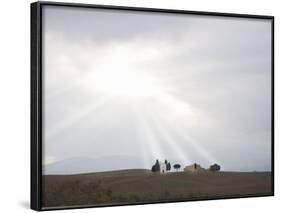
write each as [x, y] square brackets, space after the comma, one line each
[173, 132]
[159, 133]
[162, 120]
[84, 111]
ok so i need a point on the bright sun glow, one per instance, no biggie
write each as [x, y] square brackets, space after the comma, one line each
[137, 86]
[119, 73]
[127, 84]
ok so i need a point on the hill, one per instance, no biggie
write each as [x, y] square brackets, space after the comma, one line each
[78, 165]
[140, 185]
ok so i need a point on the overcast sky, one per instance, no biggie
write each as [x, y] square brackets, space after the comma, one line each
[186, 88]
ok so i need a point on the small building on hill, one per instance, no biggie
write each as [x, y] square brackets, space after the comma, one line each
[163, 167]
[193, 168]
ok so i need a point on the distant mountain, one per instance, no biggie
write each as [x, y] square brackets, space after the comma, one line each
[79, 165]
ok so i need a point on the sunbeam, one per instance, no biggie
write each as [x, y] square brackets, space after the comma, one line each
[166, 137]
[63, 125]
[179, 130]
[150, 139]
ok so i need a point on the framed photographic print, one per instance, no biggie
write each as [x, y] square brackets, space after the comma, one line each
[139, 105]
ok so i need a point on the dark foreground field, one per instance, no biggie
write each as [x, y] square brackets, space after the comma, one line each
[144, 186]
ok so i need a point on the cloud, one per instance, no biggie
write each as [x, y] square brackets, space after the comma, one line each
[212, 100]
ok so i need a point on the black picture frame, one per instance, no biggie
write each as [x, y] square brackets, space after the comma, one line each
[37, 105]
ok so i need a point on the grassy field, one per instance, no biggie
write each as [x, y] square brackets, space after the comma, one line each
[144, 186]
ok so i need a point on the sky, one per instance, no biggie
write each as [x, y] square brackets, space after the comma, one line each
[126, 86]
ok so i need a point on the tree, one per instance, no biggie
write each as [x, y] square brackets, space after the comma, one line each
[156, 167]
[157, 164]
[177, 166]
[215, 167]
[168, 166]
